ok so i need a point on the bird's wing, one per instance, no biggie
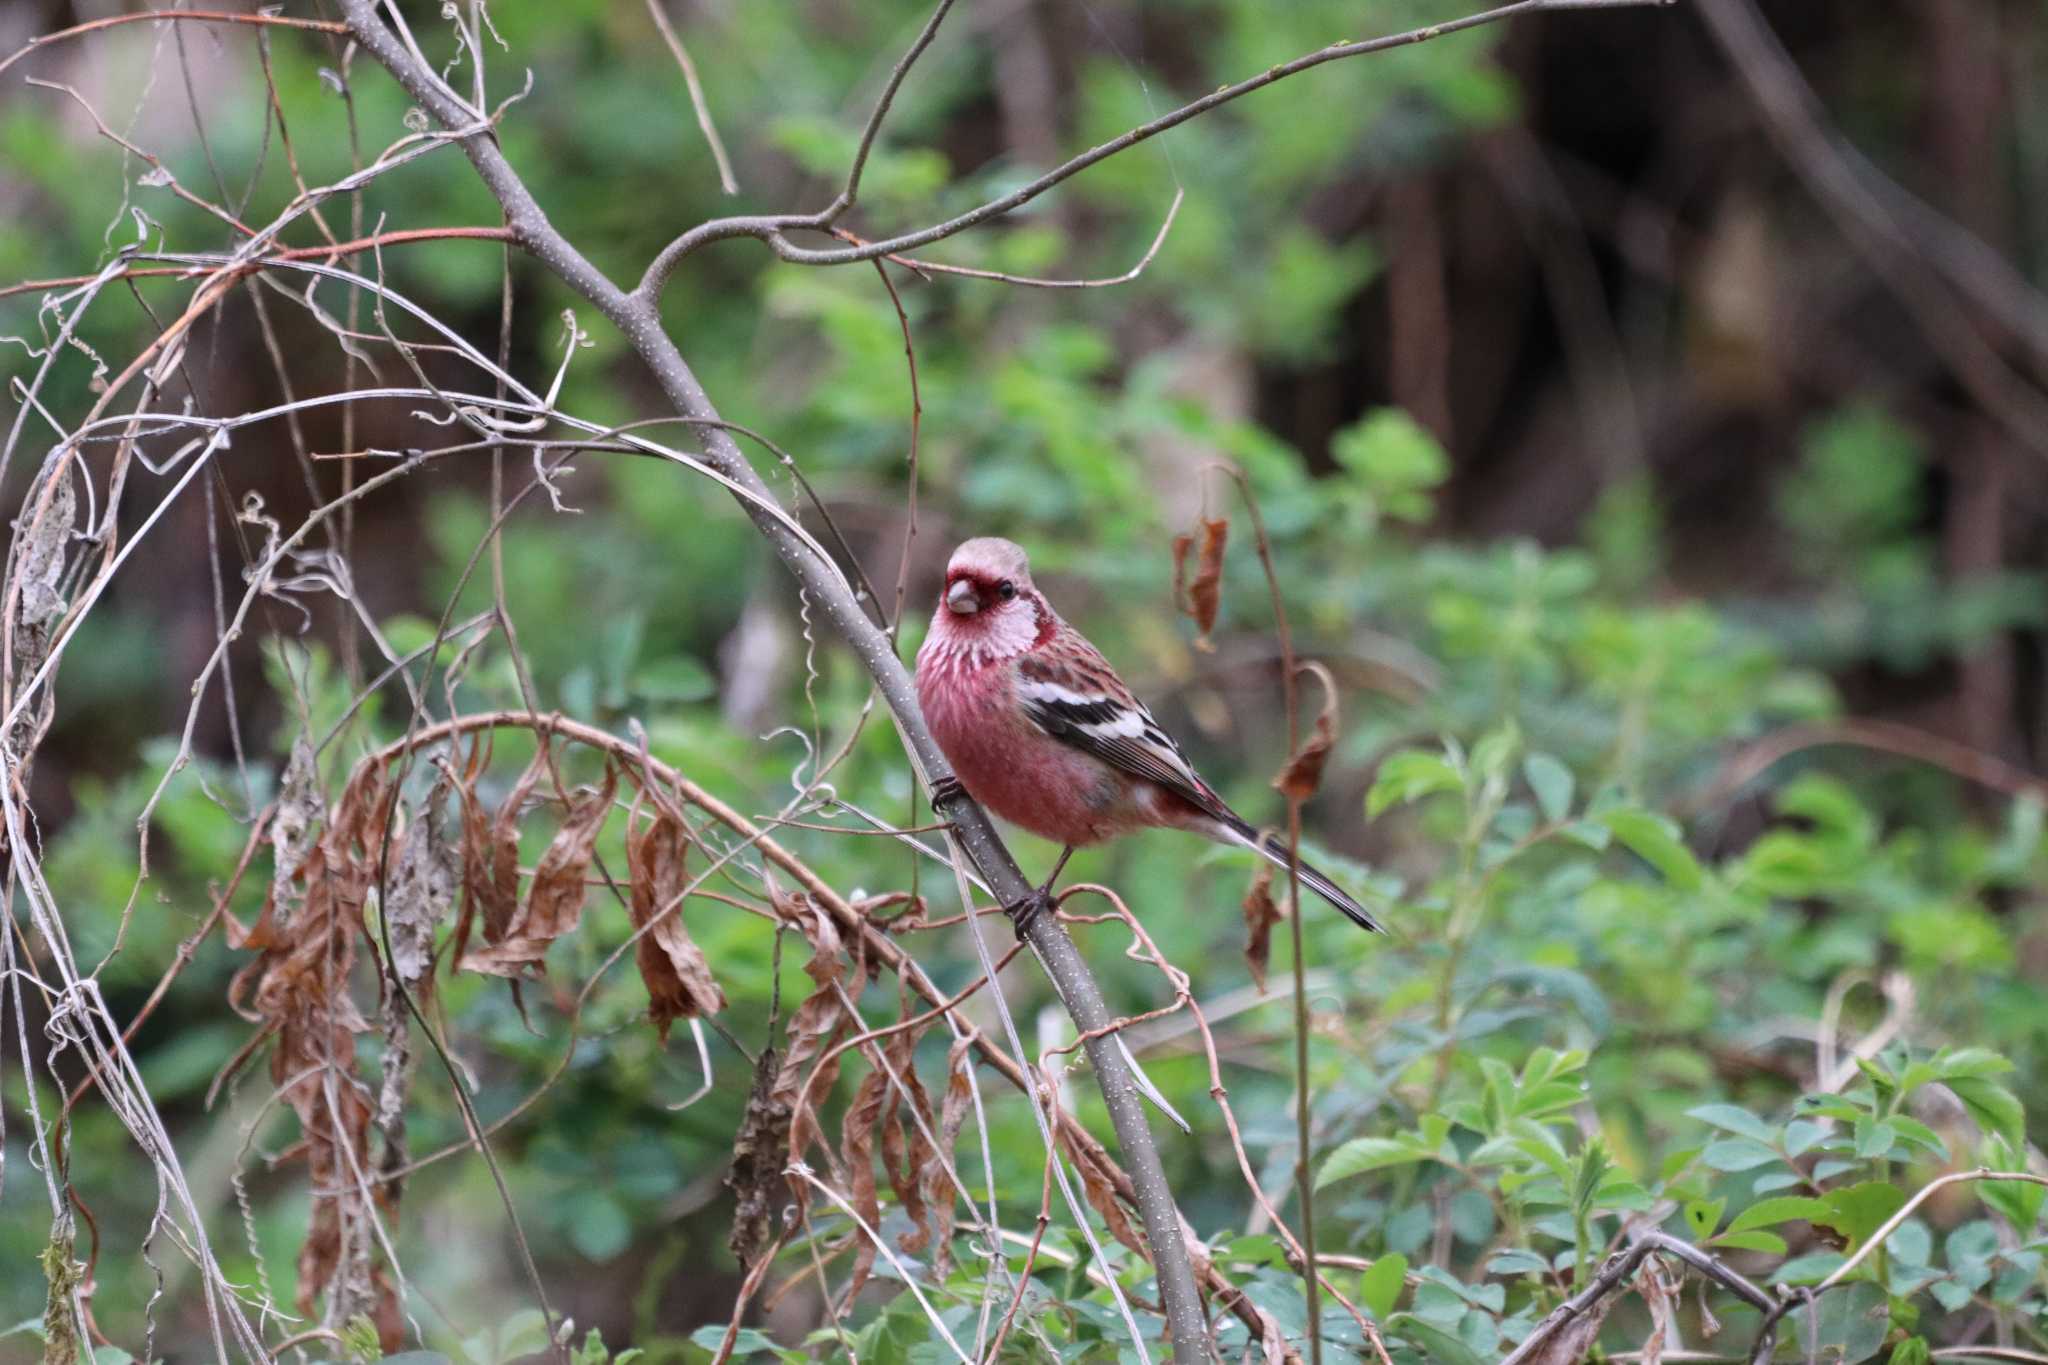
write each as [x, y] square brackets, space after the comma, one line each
[1069, 691]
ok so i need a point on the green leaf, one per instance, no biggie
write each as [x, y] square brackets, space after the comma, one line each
[1517, 1261]
[1914, 1351]
[1996, 1109]
[1438, 1346]
[1849, 1325]
[2019, 1202]
[1677, 1161]
[1410, 775]
[1875, 1139]
[1590, 834]
[1734, 1120]
[1880, 1077]
[1784, 1209]
[1856, 1211]
[749, 1342]
[1260, 1250]
[1491, 755]
[1366, 1154]
[1655, 840]
[1552, 783]
[1380, 1285]
[1543, 1149]
[1594, 1165]
[1830, 1106]
[1737, 1154]
[1811, 1268]
[1702, 1216]
[1919, 1134]
[1756, 1239]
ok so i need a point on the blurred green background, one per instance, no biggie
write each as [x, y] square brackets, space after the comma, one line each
[1592, 456]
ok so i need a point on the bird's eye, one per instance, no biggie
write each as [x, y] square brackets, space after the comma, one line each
[1006, 589]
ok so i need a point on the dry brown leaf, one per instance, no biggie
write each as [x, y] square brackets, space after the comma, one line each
[1201, 595]
[424, 877]
[490, 850]
[1272, 1340]
[938, 1184]
[41, 550]
[678, 978]
[1260, 915]
[857, 1151]
[905, 1149]
[818, 1024]
[300, 809]
[1100, 1190]
[554, 904]
[1710, 1325]
[1303, 774]
[423, 883]
[1662, 1301]
[554, 901]
[760, 1151]
[1571, 1343]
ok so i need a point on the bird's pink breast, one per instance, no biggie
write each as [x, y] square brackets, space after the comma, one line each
[1009, 765]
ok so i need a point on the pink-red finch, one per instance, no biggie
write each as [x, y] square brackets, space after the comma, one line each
[1040, 729]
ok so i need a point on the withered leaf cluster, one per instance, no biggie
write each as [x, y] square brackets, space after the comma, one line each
[891, 1113]
[372, 848]
[297, 989]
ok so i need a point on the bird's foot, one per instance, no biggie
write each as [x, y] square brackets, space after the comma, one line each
[1025, 910]
[947, 789]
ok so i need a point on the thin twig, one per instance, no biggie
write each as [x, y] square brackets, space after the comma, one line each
[851, 193]
[910, 476]
[697, 100]
[1884, 736]
[1291, 696]
[152, 16]
[928, 268]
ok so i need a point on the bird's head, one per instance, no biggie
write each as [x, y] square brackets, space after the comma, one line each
[989, 603]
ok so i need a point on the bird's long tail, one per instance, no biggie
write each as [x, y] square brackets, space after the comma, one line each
[1274, 850]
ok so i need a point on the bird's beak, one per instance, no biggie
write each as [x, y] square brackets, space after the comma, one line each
[960, 598]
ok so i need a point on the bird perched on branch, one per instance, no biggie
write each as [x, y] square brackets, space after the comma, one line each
[1041, 730]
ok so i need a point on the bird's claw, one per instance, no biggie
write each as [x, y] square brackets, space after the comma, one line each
[946, 790]
[1025, 910]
